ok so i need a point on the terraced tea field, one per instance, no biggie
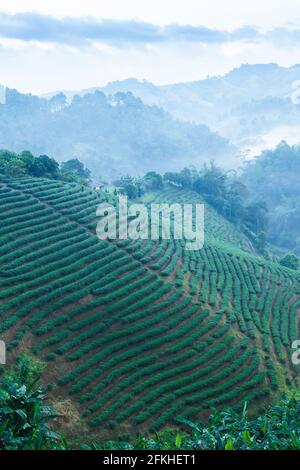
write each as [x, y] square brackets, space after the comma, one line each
[140, 332]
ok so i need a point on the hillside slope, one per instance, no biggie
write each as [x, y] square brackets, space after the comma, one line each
[137, 333]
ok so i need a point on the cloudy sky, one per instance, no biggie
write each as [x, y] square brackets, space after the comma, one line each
[74, 44]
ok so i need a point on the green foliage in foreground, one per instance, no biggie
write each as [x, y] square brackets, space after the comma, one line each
[277, 429]
[24, 417]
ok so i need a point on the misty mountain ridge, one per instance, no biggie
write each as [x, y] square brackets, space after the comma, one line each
[112, 135]
[246, 105]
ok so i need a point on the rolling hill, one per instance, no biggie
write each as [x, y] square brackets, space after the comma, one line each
[137, 333]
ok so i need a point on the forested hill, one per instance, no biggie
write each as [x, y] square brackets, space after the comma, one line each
[112, 135]
[274, 178]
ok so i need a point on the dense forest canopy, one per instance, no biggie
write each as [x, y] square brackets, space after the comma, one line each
[18, 165]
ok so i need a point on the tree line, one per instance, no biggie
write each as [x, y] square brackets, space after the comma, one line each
[16, 165]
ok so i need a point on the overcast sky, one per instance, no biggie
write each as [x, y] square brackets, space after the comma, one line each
[61, 44]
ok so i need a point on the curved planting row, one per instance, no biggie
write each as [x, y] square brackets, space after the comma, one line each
[140, 329]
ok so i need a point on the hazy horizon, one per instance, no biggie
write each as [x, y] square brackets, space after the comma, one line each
[142, 80]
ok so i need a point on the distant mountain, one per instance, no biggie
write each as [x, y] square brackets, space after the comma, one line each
[112, 135]
[254, 106]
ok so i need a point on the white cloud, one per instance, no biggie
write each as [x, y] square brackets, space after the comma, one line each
[47, 66]
[212, 13]
[21, 44]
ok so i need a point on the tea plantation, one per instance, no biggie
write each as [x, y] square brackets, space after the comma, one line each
[138, 333]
